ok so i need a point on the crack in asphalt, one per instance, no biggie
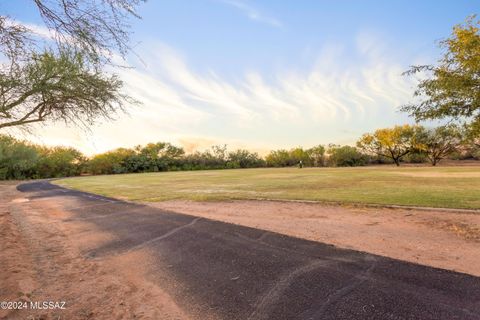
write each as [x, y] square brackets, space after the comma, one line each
[345, 290]
[298, 253]
[166, 235]
[146, 243]
[267, 301]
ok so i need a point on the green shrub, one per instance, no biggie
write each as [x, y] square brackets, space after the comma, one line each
[345, 156]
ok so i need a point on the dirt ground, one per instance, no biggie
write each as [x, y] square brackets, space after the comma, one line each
[447, 240]
[41, 260]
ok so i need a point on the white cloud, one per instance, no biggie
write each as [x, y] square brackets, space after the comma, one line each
[331, 91]
[298, 107]
[253, 13]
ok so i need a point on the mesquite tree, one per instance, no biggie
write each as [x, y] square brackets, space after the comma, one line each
[58, 87]
[63, 75]
[437, 143]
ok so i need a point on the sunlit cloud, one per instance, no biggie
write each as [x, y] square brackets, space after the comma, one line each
[335, 100]
[253, 13]
[330, 91]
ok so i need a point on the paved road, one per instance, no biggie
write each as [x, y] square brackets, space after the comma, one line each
[243, 273]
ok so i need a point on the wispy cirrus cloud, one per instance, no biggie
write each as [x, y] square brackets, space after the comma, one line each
[253, 13]
[331, 90]
[335, 100]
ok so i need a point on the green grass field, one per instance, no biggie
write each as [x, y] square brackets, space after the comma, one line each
[449, 187]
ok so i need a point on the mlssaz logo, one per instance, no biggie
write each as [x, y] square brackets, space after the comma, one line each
[47, 305]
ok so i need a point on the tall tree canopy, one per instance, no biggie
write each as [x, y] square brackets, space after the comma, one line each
[437, 143]
[57, 87]
[64, 77]
[452, 89]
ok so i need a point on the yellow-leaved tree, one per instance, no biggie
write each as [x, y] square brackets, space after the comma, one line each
[392, 143]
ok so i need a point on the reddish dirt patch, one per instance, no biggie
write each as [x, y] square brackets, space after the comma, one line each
[440, 239]
[17, 277]
[41, 260]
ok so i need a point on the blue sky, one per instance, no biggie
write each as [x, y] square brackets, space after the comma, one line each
[266, 74]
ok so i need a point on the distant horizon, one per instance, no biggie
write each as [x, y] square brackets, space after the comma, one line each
[263, 75]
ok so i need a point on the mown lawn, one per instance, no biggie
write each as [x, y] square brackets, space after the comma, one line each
[449, 187]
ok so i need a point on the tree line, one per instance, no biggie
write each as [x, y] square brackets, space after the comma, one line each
[408, 143]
